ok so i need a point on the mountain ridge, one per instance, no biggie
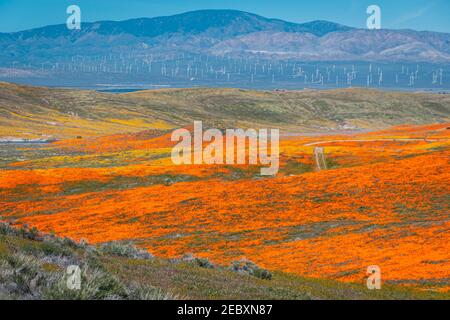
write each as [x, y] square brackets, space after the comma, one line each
[222, 32]
[187, 19]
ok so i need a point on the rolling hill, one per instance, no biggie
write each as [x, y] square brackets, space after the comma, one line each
[36, 112]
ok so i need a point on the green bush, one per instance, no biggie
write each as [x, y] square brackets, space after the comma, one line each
[248, 267]
[22, 276]
[139, 292]
[95, 285]
[124, 249]
[200, 262]
[27, 233]
[54, 248]
[6, 229]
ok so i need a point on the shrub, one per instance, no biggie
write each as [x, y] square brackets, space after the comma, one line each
[68, 242]
[54, 248]
[248, 267]
[39, 271]
[32, 233]
[139, 292]
[201, 262]
[24, 232]
[95, 285]
[124, 249]
[22, 276]
[7, 230]
[83, 243]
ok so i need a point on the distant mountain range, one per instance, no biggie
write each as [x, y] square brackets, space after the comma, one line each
[223, 32]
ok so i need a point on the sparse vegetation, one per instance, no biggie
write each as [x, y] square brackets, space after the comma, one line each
[33, 266]
[29, 271]
[124, 249]
[201, 262]
[246, 266]
[292, 111]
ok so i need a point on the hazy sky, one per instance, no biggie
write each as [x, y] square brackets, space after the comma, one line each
[396, 14]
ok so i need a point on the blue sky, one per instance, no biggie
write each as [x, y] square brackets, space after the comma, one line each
[431, 15]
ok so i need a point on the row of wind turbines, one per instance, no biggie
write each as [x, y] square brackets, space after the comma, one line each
[223, 69]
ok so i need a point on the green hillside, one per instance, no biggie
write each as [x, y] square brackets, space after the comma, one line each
[33, 112]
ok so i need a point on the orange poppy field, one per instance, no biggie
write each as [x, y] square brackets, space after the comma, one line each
[383, 199]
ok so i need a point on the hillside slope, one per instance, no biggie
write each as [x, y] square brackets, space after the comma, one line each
[382, 199]
[33, 266]
[35, 112]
